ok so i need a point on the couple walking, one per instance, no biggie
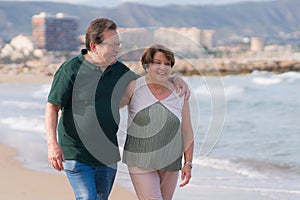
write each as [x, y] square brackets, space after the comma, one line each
[83, 107]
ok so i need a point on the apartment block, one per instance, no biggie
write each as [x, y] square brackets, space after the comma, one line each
[184, 40]
[257, 44]
[55, 32]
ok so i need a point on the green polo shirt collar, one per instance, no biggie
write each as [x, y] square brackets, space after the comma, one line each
[90, 65]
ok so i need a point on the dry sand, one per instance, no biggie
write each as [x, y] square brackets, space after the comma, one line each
[19, 183]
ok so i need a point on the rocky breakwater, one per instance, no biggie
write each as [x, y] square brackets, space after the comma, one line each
[234, 67]
[183, 67]
[217, 67]
[30, 67]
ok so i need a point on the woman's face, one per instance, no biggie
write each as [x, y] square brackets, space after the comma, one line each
[160, 69]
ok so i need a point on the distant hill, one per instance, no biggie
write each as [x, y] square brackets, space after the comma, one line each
[271, 20]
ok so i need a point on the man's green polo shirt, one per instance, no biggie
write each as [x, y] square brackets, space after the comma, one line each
[90, 109]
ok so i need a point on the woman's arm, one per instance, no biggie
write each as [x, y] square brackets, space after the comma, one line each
[188, 143]
[127, 94]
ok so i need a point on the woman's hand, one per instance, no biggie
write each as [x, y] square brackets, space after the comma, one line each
[186, 174]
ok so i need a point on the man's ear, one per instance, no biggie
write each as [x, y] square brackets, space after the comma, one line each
[93, 47]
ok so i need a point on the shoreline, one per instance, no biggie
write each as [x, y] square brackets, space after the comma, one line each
[207, 182]
[190, 67]
[22, 183]
[25, 78]
[27, 184]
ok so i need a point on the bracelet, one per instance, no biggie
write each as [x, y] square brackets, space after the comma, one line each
[189, 163]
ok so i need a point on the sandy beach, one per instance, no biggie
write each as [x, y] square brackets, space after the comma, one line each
[230, 172]
[19, 183]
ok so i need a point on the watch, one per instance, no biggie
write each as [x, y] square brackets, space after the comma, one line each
[189, 163]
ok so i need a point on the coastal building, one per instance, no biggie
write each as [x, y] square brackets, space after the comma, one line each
[55, 32]
[256, 44]
[184, 40]
[206, 39]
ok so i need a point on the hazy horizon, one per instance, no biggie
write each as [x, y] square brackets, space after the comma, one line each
[109, 3]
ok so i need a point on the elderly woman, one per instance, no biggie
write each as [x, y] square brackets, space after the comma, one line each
[159, 129]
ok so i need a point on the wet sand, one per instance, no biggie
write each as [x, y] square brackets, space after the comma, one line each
[19, 183]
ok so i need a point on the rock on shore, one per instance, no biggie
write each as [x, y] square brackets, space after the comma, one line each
[184, 67]
[223, 67]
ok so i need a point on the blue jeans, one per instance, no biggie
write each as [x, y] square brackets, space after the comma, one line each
[90, 182]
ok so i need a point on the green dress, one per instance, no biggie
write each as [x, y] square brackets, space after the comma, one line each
[154, 139]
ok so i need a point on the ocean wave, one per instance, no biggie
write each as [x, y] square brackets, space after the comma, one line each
[233, 90]
[228, 90]
[261, 189]
[271, 79]
[32, 124]
[251, 168]
[223, 164]
[271, 167]
[22, 104]
[295, 75]
[202, 90]
[290, 77]
[42, 91]
[269, 190]
[266, 80]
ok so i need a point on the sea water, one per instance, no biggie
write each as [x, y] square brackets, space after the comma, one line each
[247, 134]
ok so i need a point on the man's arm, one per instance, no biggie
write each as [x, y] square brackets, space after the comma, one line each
[55, 153]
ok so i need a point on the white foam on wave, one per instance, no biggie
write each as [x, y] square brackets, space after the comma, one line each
[42, 92]
[22, 104]
[228, 91]
[230, 166]
[233, 90]
[202, 90]
[295, 75]
[21, 123]
[266, 190]
[290, 77]
[266, 80]
[250, 189]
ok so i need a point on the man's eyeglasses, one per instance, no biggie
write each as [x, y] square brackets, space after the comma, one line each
[112, 45]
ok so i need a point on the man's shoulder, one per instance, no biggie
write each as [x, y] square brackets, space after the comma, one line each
[71, 64]
[122, 65]
[121, 68]
[73, 60]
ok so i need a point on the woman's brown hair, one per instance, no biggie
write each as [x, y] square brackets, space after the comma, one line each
[148, 55]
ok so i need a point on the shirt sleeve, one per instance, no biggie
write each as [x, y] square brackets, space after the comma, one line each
[61, 88]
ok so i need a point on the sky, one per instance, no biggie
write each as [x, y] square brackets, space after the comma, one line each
[112, 3]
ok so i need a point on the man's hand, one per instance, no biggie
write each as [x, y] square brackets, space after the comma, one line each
[56, 156]
[181, 87]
